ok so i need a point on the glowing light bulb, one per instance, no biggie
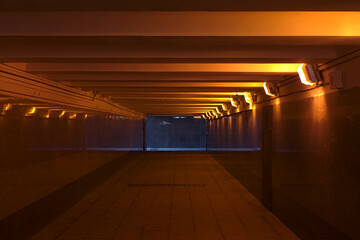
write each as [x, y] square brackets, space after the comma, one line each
[7, 107]
[32, 110]
[307, 75]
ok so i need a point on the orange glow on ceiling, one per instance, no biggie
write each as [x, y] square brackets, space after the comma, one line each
[167, 67]
[189, 93]
[191, 84]
[184, 107]
[192, 23]
[180, 104]
[175, 98]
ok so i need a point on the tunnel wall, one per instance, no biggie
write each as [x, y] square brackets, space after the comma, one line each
[28, 143]
[235, 141]
[315, 163]
[42, 161]
[315, 157]
[239, 132]
[26, 140]
[114, 134]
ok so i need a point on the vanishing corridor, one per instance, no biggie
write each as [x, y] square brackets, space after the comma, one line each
[168, 196]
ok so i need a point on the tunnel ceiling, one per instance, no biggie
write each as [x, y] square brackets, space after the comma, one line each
[175, 63]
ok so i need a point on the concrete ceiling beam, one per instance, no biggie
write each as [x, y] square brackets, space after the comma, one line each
[16, 83]
[259, 68]
[168, 84]
[160, 76]
[195, 51]
[250, 23]
[114, 90]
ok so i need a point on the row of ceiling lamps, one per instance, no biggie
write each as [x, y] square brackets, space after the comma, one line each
[45, 112]
[308, 75]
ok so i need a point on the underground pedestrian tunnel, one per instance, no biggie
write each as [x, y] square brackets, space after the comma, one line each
[179, 121]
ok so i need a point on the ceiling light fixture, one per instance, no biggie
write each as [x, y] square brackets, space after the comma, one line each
[7, 107]
[32, 110]
[235, 101]
[271, 88]
[225, 106]
[308, 74]
[73, 116]
[249, 98]
[215, 114]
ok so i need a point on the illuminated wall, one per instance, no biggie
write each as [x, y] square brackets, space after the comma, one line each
[42, 162]
[27, 140]
[238, 132]
[115, 133]
[315, 158]
[235, 141]
[315, 167]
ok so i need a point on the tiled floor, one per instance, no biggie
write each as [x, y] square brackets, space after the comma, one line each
[168, 196]
[37, 180]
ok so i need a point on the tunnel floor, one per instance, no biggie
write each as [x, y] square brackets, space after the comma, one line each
[175, 195]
